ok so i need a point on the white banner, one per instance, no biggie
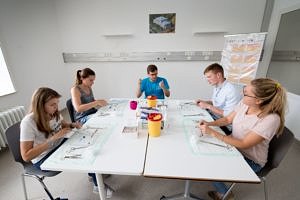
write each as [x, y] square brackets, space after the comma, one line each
[240, 56]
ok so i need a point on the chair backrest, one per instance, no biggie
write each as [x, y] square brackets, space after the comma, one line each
[70, 109]
[278, 148]
[13, 140]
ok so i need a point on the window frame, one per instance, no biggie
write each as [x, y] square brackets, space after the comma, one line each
[11, 84]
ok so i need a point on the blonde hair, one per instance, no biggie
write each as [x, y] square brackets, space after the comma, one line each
[39, 98]
[273, 97]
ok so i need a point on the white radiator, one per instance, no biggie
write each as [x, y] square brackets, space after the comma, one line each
[9, 117]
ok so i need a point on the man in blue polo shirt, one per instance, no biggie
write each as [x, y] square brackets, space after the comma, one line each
[153, 85]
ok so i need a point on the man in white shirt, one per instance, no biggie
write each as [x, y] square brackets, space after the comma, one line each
[225, 95]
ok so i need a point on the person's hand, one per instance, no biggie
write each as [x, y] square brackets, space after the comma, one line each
[77, 125]
[139, 84]
[204, 128]
[198, 101]
[162, 85]
[101, 102]
[61, 133]
[203, 122]
[204, 105]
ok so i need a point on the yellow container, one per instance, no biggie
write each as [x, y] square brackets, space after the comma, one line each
[151, 101]
[154, 124]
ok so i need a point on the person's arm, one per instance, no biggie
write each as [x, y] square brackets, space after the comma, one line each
[198, 101]
[78, 106]
[216, 110]
[208, 105]
[248, 141]
[139, 91]
[165, 88]
[70, 125]
[28, 152]
[224, 121]
[166, 92]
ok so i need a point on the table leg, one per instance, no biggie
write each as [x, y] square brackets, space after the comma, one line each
[186, 195]
[101, 187]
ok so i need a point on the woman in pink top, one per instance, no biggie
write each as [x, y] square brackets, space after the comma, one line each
[257, 118]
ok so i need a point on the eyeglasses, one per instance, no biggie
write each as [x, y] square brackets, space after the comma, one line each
[245, 95]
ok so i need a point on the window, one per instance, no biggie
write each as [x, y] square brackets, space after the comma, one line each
[6, 86]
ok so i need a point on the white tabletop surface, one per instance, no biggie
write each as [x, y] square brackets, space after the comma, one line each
[173, 154]
[114, 153]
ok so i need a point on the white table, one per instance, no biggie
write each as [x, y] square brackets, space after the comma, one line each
[118, 153]
[172, 155]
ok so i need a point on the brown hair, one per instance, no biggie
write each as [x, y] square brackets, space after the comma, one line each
[39, 98]
[151, 68]
[273, 97]
[84, 73]
[215, 68]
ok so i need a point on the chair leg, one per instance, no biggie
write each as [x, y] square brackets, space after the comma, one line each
[24, 186]
[228, 191]
[40, 179]
[265, 187]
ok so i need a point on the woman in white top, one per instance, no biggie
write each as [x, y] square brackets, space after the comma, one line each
[43, 129]
[258, 117]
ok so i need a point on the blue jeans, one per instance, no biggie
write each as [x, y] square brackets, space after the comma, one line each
[222, 188]
[93, 175]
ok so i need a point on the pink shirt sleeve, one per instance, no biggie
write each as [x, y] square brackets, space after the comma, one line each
[267, 127]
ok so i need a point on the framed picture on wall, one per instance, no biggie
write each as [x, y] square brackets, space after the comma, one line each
[162, 23]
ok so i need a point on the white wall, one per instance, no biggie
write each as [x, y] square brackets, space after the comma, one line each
[280, 7]
[83, 23]
[287, 73]
[35, 33]
[292, 117]
[32, 47]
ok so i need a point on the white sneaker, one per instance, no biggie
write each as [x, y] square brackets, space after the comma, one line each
[109, 192]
